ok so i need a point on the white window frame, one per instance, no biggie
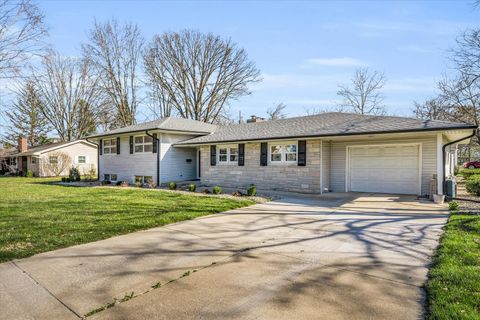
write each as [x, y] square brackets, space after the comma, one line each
[229, 153]
[110, 176]
[112, 148]
[53, 157]
[78, 160]
[143, 144]
[143, 178]
[283, 158]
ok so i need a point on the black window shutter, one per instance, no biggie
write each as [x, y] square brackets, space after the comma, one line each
[302, 153]
[155, 143]
[263, 154]
[241, 154]
[118, 145]
[131, 144]
[213, 155]
[100, 146]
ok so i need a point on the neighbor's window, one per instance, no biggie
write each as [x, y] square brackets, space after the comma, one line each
[82, 159]
[143, 179]
[143, 144]
[110, 146]
[53, 159]
[283, 153]
[33, 160]
[227, 154]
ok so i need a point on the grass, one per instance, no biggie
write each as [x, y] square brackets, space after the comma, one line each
[453, 288]
[38, 216]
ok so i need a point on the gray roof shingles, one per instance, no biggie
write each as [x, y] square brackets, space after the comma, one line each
[168, 123]
[325, 124]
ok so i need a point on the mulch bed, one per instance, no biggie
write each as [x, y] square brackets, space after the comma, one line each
[466, 206]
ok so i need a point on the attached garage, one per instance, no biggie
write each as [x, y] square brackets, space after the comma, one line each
[389, 168]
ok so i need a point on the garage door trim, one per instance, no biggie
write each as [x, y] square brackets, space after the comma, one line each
[347, 162]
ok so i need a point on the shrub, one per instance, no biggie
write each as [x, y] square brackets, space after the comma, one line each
[106, 182]
[192, 187]
[64, 179]
[138, 184]
[29, 174]
[473, 185]
[124, 183]
[74, 174]
[217, 190]
[68, 180]
[252, 191]
[118, 183]
[467, 173]
[453, 205]
[151, 184]
[172, 185]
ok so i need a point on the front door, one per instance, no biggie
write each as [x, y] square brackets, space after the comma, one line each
[24, 165]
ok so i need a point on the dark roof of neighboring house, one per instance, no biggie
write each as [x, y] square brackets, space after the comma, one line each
[325, 124]
[7, 152]
[168, 124]
[45, 147]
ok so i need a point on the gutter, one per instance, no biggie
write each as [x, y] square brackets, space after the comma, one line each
[158, 155]
[98, 158]
[444, 182]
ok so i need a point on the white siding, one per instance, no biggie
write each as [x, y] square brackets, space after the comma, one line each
[174, 165]
[339, 156]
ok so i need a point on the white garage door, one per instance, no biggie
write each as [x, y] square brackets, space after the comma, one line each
[384, 169]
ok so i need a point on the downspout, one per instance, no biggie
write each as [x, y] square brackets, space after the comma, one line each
[158, 155]
[444, 182]
[98, 158]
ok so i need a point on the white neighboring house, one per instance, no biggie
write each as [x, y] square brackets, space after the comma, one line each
[56, 159]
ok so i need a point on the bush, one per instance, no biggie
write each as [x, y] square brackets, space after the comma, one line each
[473, 185]
[467, 173]
[172, 185]
[106, 182]
[192, 187]
[74, 174]
[29, 174]
[217, 190]
[252, 191]
[68, 180]
[124, 183]
[453, 205]
[151, 184]
[64, 179]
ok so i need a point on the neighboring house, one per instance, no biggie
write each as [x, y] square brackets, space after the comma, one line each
[55, 159]
[337, 152]
[5, 161]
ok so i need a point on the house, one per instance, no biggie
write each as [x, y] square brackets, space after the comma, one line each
[5, 160]
[55, 159]
[337, 152]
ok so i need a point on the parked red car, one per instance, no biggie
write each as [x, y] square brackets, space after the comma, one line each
[472, 164]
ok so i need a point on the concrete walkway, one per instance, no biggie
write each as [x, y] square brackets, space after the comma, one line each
[341, 256]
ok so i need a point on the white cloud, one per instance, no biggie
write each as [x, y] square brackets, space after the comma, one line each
[337, 62]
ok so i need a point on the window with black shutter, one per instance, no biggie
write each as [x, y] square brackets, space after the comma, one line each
[213, 155]
[131, 144]
[241, 154]
[118, 145]
[263, 154]
[302, 153]
[100, 146]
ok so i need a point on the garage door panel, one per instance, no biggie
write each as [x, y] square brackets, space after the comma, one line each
[384, 169]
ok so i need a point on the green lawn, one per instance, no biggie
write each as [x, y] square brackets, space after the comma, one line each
[453, 288]
[37, 216]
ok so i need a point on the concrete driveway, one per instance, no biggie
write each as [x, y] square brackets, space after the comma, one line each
[340, 256]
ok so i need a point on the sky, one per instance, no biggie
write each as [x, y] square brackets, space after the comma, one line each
[304, 50]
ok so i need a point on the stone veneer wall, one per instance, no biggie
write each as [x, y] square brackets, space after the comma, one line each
[281, 177]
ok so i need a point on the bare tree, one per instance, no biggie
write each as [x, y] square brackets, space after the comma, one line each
[364, 96]
[197, 74]
[21, 34]
[25, 117]
[466, 55]
[277, 112]
[55, 163]
[115, 51]
[430, 109]
[69, 96]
